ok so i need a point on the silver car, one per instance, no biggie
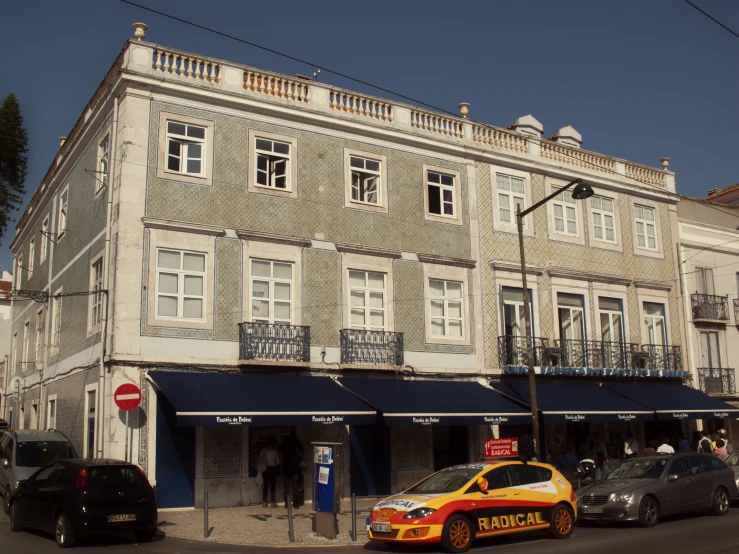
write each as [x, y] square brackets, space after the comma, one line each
[733, 462]
[23, 452]
[646, 488]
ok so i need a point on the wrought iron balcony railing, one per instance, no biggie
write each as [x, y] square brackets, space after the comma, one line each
[371, 347]
[596, 354]
[716, 380]
[660, 357]
[512, 351]
[710, 307]
[266, 341]
[736, 311]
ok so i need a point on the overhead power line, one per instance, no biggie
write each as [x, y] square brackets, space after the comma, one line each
[709, 16]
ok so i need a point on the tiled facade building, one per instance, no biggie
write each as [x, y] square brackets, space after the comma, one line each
[271, 227]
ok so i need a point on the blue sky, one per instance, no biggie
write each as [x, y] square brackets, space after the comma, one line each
[640, 79]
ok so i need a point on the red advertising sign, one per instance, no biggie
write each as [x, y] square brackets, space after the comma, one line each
[501, 448]
[127, 397]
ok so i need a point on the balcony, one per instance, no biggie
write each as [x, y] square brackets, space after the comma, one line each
[716, 380]
[736, 311]
[707, 307]
[597, 354]
[265, 341]
[512, 351]
[660, 357]
[362, 347]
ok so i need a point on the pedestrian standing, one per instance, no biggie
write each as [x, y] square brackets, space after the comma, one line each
[665, 448]
[724, 436]
[631, 446]
[682, 443]
[705, 446]
[292, 458]
[269, 459]
[720, 451]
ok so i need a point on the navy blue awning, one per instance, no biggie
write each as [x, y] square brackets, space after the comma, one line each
[210, 399]
[675, 401]
[577, 402]
[405, 402]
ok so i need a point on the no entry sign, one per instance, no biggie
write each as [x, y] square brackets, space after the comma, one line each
[127, 397]
[497, 448]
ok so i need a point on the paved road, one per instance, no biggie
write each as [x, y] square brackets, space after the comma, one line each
[696, 534]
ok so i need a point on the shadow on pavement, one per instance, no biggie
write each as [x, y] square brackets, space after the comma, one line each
[108, 539]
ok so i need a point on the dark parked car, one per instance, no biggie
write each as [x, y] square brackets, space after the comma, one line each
[74, 498]
[733, 462]
[645, 488]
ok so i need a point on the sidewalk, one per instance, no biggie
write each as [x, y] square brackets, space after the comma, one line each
[258, 526]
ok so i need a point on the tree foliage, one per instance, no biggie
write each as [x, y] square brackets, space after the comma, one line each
[13, 160]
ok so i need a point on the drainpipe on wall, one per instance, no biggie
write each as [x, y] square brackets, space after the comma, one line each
[106, 280]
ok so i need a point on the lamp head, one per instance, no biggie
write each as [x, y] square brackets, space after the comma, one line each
[582, 191]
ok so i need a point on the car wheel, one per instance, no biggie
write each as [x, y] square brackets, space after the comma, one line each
[16, 523]
[721, 502]
[145, 536]
[648, 511]
[562, 522]
[457, 535]
[6, 500]
[63, 531]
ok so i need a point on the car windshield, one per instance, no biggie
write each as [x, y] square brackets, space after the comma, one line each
[639, 469]
[40, 453]
[114, 476]
[733, 460]
[446, 480]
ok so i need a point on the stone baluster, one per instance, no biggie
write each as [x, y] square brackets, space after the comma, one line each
[157, 63]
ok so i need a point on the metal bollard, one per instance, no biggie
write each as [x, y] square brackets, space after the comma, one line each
[205, 514]
[354, 517]
[290, 530]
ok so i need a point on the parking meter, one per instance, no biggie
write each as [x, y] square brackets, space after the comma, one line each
[326, 487]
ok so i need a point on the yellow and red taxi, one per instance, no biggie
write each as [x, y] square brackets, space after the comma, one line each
[458, 504]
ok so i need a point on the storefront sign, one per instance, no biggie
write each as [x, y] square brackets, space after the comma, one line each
[596, 372]
[499, 448]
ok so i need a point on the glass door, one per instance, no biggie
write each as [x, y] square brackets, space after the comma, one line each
[514, 326]
[611, 332]
[572, 329]
[654, 324]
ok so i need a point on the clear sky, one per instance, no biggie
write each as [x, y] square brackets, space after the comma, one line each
[640, 79]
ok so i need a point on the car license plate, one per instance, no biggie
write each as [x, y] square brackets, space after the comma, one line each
[121, 517]
[380, 527]
[589, 510]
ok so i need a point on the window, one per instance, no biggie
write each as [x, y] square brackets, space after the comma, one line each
[514, 322]
[499, 478]
[34, 414]
[39, 336]
[103, 163]
[273, 164]
[62, 220]
[440, 187]
[603, 218]
[611, 319]
[646, 235]
[654, 323]
[564, 208]
[19, 268]
[710, 356]
[180, 284]
[185, 148]
[31, 256]
[56, 322]
[26, 341]
[445, 298]
[90, 422]
[14, 352]
[365, 180]
[51, 412]
[511, 197]
[367, 300]
[96, 299]
[44, 239]
[704, 280]
[21, 420]
[527, 474]
[571, 317]
[271, 292]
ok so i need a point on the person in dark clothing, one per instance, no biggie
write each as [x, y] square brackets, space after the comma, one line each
[292, 474]
[269, 459]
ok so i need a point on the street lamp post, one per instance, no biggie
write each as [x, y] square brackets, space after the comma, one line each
[581, 192]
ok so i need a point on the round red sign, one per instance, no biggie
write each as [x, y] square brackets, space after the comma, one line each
[127, 397]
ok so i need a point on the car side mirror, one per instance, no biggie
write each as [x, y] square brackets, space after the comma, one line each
[672, 478]
[22, 482]
[482, 483]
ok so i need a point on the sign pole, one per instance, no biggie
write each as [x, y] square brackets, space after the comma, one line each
[125, 457]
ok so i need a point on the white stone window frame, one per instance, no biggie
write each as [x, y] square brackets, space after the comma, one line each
[617, 292]
[40, 336]
[446, 273]
[375, 264]
[97, 299]
[512, 227]
[14, 353]
[285, 253]
[102, 177]
[57, 313]
[205, 178]
[382, 205]
[31, 256]
[291, 191]
[51, 421]
[19, 267]
[44, 238]
[62, 213]
[455, 219]
[512, 279]
[272, 281]
[164, 239]
[578, 237]
[657, 252]
[595, 242]
[655, 297]
[26, 351]
[93, 387]
[574, 287]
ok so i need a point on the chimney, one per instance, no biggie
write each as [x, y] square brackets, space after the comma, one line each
[62, 140]
[711, 192]
[139, 30]
[568, 136]
[528, 125]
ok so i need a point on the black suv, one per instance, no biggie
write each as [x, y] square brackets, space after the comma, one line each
[74, 498]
